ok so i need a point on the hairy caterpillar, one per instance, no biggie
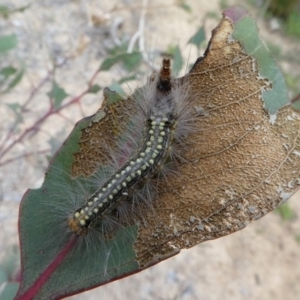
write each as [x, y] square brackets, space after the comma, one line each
[164, 120]
[94, 220]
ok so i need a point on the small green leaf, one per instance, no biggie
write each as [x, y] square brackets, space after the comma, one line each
[119, 49]
[130, 61]
[16, 80]
[10, 264]
[94, 89]
[246, 32]
[116, 87]
[8, 71]
[5, 11]
[285, 212]
[112, 96]
[296, 104]
[16, 108]
[293, 24]
[126, 79]
[57, 94]
[175, 52]
[182, 4]
[7, 42]
[10, 83]
[9, 290]
[109, 62]
[56, 141]
[3, 276]
[198, 37]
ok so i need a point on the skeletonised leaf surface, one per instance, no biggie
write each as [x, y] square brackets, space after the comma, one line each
[242, 163]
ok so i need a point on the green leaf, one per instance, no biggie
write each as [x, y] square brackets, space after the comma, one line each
[16, 108]
[178, 60]
[7, 42]
[130, 61]
[10, 264]
[57, 94]
[10, 81]
[3, 276]
[246, 32]
[126, 79]
[183, 4]
[5, 11]
[198, 37]
[116, 87]
[8, 71]
[94, 89]
[9, 290]
[175, 52]
[112, 96]
[43, 239]
[285, 212]
[293, 23]
[16, 80]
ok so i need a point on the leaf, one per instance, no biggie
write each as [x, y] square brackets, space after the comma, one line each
[8, 71]
[16, 108]
[36, 245]
[7, 42]
[175, 53]
[3, 276]
[11, 77]
[243, 163]
[15, 80]
[293, 24]
[178, 60]
[285, 212]
[245, 30]
[182, 4]
[116, 87]
[5, 11]
[126, 79]
[111, 96]
[130, 61]
[94, 89]
[198, 38]
[9, 291]
[57, 94]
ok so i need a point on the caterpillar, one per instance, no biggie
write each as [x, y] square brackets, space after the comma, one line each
[87, 222]
[165, 119]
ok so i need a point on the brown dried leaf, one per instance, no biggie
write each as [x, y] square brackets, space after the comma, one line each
[242, 165]
[243, 162]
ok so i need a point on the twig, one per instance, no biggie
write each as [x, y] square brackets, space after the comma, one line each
[10, 160]
[139, 35]
[139, 7]
[297, 97]
[35, 127]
